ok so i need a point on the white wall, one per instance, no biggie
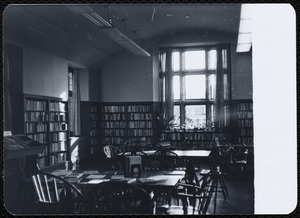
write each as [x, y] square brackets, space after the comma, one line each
[47, 75]
[127, 78]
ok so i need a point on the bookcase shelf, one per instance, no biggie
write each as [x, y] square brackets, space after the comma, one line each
[122, 121]
[114, 123]
[46, 121]
[90, 125]
[192, 139]
[243, 121]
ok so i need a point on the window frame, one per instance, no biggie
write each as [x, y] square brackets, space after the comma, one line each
[207, 101]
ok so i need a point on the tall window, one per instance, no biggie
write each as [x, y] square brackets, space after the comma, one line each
[195, 83]
[74, 102]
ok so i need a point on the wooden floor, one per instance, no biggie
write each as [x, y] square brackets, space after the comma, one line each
[240, 199]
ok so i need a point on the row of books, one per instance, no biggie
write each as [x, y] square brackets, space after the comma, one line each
[58, 146]
[140, 132]
[58, 127]
[93, 124]
[94, 117]
[140, 124]
[114, 132]
[113, 124]
[200, 136]
[57, 106]
[93, 109]
[36, 127]
[172, 136]
[58, 136]
[57, 158]
[113, 109]
[93, 132]
[245, 123]
[36, 116]
[246, 132]
[58, 117]
[245, 115]
[39, 137]
[191, 136]
[115, 116]
[245, 106]
[139, 116]
[35, 105]
[139, 108]
[113, 140]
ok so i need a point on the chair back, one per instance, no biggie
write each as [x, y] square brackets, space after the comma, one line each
[240, 153]
[201, 194]
[111, 151]
[56, 195]
[169, 156]
[116, 197]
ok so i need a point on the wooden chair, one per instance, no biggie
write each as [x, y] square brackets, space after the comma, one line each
[195, 199]
[240, 156]
[116, 197]
[56, 195]
[168, 156]
[112, 159]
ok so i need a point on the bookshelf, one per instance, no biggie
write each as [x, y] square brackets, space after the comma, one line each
[113, 124]
[190, 139]
[46, 121]
[90, 127]
[122, 121]
[243, 121]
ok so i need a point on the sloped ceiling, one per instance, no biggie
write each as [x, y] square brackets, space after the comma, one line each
[60, 31]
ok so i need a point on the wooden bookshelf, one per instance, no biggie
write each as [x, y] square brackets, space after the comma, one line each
[46, 121]
[122, 121]
[113, 124]
[243, 121]
[90, 127]
[192, 139]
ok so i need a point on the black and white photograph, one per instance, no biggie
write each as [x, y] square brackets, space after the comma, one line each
[149, 109]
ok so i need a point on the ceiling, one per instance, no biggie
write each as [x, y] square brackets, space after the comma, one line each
[58, 30]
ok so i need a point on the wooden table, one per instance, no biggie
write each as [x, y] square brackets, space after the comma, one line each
[192, 153]
[180, 153]
[155, 181]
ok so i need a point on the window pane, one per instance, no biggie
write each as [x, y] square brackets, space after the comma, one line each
[212, 86]
[176, 87]
[225, 84]
[195, 86]
[212, 114]
[163, 62]
[224, 57]
[194, 60]
[175, 61]
[195, 116]
[176, 115]
[212, 60]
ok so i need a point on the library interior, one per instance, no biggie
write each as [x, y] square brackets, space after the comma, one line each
[128, 109]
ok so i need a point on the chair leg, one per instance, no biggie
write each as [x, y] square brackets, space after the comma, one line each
[223, 186]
